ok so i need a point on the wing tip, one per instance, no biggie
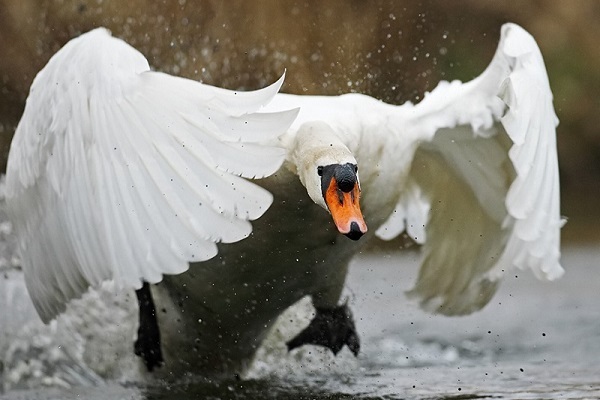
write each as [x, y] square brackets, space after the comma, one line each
[271, 90]
[515, 41]
[279, 82]
[554, 272]
[46, 311]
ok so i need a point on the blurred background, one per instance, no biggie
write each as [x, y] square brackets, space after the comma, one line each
[392, 50]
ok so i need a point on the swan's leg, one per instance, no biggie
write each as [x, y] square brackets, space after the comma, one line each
[332, 328]
[333, 325]
[147, 344]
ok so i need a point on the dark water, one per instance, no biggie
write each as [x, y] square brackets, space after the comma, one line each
[536, 340]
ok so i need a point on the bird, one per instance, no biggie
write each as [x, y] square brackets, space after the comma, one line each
[120, 173]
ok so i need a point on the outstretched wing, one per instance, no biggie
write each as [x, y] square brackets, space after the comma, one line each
[117, 172]
[487, 172]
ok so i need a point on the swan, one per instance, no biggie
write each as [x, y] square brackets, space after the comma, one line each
[119, 173]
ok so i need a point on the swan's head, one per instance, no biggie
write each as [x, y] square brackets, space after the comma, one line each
[329, 172]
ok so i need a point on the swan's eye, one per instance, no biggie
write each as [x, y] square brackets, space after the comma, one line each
[355, 169]
[320, 170]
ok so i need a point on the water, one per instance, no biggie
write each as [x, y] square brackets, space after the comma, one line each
[536, 340]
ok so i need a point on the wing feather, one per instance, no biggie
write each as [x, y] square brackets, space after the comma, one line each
[117, 172]
[488, 167]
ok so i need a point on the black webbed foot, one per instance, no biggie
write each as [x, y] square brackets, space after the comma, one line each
[332, 328]
[147, 345]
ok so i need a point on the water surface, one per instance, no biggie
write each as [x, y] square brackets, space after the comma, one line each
[536, 340]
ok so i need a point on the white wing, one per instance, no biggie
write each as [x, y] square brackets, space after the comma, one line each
[117, 172]
[488, 170]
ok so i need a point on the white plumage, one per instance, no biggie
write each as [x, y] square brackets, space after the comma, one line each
[117, 172]
[472, 168]
[120, 173]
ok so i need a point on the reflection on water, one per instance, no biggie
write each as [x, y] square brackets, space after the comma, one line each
[535, 340]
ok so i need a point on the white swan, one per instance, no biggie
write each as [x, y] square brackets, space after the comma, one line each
[119, 173]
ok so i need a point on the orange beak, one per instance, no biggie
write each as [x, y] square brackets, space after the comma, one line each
[345, 210]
